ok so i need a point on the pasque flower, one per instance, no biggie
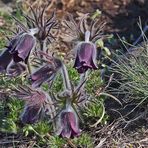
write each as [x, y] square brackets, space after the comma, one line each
[85, 55]
[43, 74]
[47, 72]
[24, 44]
[35, 102]
[86, 32]
[67, 124]
[5, 59]
[17, 50]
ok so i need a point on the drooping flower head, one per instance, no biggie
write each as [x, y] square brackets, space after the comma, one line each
[24, 44]
[18, 49]
[5, 59]
[85, 34]
[24, 40]
[67, 124]
[47, 72]
[85, 57]
[35, 102]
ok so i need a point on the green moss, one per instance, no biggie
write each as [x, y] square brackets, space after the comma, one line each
[84, 140]
[56, 142]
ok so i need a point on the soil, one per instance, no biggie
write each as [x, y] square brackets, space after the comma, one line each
[121, 16]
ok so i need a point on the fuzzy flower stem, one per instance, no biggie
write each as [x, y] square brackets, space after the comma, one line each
[65, 75]
[43, 45]
[52, 108]
[81, 84]
[87, 36]
[29, 67]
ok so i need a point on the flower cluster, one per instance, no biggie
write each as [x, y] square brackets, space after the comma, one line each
[24, 41]
[15, 59]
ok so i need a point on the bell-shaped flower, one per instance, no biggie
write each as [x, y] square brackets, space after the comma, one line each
[67, 124]
[32, 114]
[15, 69]
[46, 73]
[5, 59]
[85, 57]
[24, 44]
[35, 102]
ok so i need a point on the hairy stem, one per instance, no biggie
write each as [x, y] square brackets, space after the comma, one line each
[29, 67]
[87, 36]
[43, 45]
[81, 84]
[66, 79]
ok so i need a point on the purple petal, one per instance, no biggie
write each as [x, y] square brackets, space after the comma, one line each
[5, 59]
[69, 125]
[85, 52]
[66, 132]
[93, 64]
[73, 122]
[24, 47]
[31, 114]
[85, 58]
[13, 43]
[44, 74]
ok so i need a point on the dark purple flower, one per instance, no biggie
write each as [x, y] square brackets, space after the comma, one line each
[6, 56]
[35, 102]
[68, 123]
[15, 69]
[5, 59]
[85, 57]
[32, 114]
[44, 74]
[24, 44]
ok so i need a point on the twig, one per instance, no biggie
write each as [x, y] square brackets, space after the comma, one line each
[71, 143]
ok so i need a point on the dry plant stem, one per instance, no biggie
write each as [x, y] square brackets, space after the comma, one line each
[133, 120]
[70, 143]
[101, 143]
